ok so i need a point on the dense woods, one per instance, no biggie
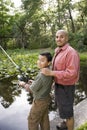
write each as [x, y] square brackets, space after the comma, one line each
[34, 24]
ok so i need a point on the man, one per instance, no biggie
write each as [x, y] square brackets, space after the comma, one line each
[66, 64]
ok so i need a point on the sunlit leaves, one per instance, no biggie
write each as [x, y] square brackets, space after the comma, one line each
[25, 60]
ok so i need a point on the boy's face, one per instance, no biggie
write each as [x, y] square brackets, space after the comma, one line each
[42, 62]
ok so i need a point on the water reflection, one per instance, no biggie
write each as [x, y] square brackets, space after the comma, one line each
[81, 88]
[15, 102]
[15, 116]
[8, 92]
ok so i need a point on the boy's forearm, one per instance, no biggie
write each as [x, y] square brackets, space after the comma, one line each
[26, 86]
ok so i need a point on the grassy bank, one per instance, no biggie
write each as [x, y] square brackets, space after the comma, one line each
[83, 58]
[83, 127]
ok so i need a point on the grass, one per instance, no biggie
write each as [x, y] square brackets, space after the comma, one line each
[83, 56]
[83, 127]
[83, 59]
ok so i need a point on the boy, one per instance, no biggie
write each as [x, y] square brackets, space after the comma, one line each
[40, 88]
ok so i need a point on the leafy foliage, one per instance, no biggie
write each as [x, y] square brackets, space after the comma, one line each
[35, 24]
[25, 60]
[83, 127]
[6, 20]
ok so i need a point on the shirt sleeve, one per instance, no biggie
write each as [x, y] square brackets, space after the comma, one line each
[72, 68]
[37, 83]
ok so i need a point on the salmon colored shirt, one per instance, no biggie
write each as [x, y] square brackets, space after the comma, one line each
[66, 65]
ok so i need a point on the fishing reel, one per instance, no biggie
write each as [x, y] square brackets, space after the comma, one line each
[23, 77]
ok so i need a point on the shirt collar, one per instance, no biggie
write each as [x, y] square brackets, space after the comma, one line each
[61, 48]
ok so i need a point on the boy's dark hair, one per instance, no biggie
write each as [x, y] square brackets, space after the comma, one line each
[48, 56]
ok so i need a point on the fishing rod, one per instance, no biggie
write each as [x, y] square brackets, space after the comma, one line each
[10, 58]
[22, 77]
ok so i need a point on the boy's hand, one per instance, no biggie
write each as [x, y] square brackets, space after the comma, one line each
[30, 82]
[22, 83]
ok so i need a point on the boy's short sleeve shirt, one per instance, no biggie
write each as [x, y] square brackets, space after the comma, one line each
[41, 86]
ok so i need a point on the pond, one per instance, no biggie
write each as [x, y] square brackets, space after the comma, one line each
[15, 102]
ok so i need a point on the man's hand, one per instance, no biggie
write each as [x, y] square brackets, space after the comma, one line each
[46, 71]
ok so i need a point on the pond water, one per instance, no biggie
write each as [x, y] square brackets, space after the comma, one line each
[15, 102]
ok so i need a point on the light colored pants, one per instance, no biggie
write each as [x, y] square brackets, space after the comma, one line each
[38, 116]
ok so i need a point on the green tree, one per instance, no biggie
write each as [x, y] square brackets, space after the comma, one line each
[82, 19]
[5, 21]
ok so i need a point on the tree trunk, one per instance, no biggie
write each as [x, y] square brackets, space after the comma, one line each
[72, 22]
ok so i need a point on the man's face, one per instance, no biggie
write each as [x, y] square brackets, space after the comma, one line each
[42, 62]
[61, 38]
